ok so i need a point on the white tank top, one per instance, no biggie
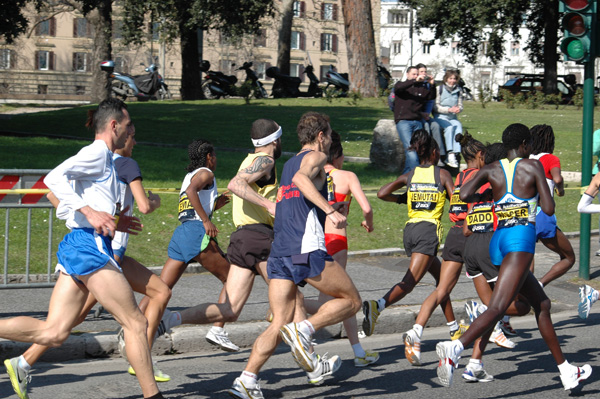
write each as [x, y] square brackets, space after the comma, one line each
[207, 198]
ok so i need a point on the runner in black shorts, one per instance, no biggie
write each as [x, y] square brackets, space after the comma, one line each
[473, 152]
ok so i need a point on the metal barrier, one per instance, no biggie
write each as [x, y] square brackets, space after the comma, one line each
[24, 189]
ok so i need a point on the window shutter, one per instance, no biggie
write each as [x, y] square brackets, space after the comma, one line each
[335, 12]
[88, 61]
[334, 43]
[322, 42]
[74, 62]
[302, 9]
[322, 11]
[13, 59]
[37, 29]
[37, 59]
[51, 60]
[74, 27]
[301, 72]
[88, 30]
[52, 26]
[302, 41]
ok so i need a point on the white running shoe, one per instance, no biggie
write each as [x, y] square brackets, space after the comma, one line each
[571, 380]
[446, 351]
[221, 339]
[412, 347]
[369, 358]
[239, 390]
[585, 301]
[19, 378]
[299, 345]
[324, 367]
[452, 161]
[471, 310]
[500, 339]
[479, 375]
[121, 344]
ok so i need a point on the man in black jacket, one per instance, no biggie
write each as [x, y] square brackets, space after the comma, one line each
[411, 97]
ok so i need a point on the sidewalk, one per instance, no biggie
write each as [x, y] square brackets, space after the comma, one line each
[374, 273]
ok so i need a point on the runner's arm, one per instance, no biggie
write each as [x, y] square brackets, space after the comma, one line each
[146, 204]
[385, 192]
[240, 184]
[362, 200]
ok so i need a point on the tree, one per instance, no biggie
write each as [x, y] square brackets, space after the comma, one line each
[475, 21]
[285, 36]
[360, 44]
[98, 13]
[182, 19]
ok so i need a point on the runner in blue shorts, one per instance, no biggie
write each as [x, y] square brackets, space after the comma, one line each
[87, 187]
[298, 256]
[516, 184]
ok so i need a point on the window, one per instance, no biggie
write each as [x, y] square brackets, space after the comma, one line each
[121, 64]
[226, 66]
[454, 47]
[260, 40]
[81, 28]
[483, 48]
[5, 59]
[299, 8]
[80, 62]
[298, 41]
[260, 68]
[42, 89]
[329, 12]
[80, 90]
[514, 48]
[328, 42]
[297, 71]
[486, 79]
[427, 47]
[323, 73]
[117, 29]
[396, 47]
[44, 60]
[46, 27]
[398, 17]
[155, 30]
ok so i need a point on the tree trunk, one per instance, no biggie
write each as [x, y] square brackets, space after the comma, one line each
[285, 36]
[101, 19]
[191, 83]
[550, 45]
[360, 42]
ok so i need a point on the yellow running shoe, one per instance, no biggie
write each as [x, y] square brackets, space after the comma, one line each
[18, 377]
[159, 376]
[371, 312]
[462, 328]
[369, 358]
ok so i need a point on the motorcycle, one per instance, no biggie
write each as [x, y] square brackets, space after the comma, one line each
[255, 84]
[286, 86]
[217, 84]
[338, 80]
[143, 87]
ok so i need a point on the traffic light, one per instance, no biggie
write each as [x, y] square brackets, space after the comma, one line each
[579, 25]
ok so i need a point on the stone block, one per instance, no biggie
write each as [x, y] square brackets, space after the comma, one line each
[387, 151]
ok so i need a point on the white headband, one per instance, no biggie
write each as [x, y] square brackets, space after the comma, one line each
[267, 140]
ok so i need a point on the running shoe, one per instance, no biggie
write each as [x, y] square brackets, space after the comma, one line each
[221, 339]
[412, 347]
[585, 301]
[300, 346]
[159, 376]
[471, 310]
[371, 312]
[369, 358]
[19, 378]
[462, 328]
[500, 339]
[163, 326]
[121, 343]
[471, 375]
[507, 328]
[446, 351]
[598, 252]
[324, 367]
[239, 390]
[571, 380]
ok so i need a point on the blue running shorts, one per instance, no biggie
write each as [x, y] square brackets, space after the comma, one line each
[545, 226]
[188, 240]
[297, 268]
[83, 251]
[512, 239]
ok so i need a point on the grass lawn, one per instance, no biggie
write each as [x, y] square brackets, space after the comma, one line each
[174, 124]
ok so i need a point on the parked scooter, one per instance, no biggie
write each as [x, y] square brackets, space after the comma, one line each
[256, 85]
[217, 84]
[143, 87]
[338, 80]
[286, 86]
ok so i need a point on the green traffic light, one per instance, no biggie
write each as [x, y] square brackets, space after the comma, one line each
[575, 49]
